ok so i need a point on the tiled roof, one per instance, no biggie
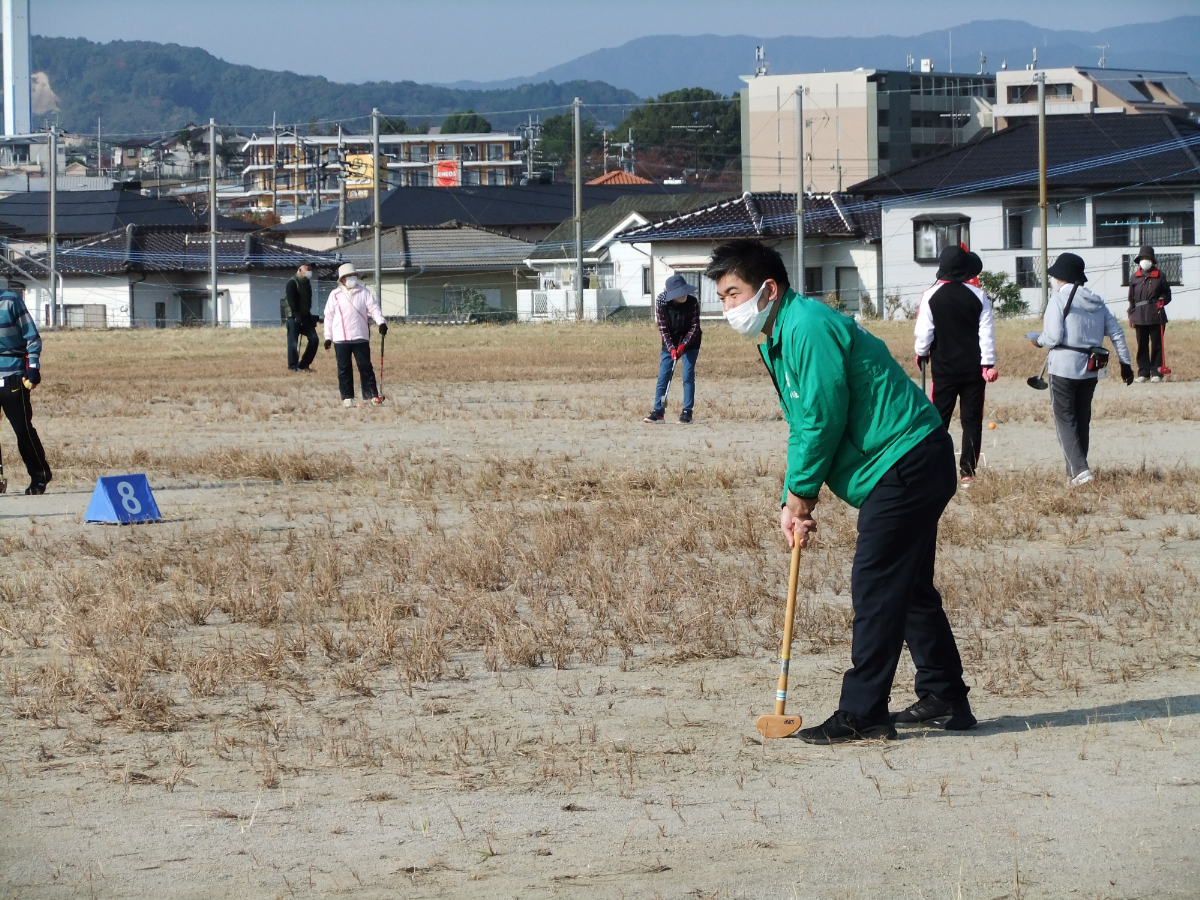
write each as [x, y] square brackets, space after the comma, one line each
[149, 249]
[1084, 151]
[600, 220]
[86, 213]
[768, 214]
[620, 177]
[484, 206]
[452, 245]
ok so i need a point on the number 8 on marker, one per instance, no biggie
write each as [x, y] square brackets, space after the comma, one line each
[129, 499]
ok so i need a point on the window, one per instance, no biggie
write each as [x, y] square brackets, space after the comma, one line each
[1027, 274]
[813, 282]
[1135, 229]
[495, 176]
[470, 176]
[421, 178]
[881, 118]
[1170, 264]
[495, 152]
[885, 150]
[420, 153]
[470, 152]
[445, 151]
[647, 287]
[933, 235]
[1015, 231]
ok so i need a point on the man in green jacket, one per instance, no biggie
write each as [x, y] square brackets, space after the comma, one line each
[858, 424]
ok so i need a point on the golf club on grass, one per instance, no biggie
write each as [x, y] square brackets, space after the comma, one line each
[1162, 341]
[379, 387]
[781, 724]
[1038, 382]
[670, 379]
[3, 480]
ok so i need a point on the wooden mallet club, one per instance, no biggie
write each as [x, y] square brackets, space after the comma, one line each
[781, 724]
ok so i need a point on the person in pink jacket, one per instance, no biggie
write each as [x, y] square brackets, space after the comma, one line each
[348, 313]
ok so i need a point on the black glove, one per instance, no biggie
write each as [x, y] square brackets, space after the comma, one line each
[383, 328]
[33, 376]
[1127, 373]
[328, 343]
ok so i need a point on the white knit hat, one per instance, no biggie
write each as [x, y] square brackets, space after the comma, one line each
[346, 269]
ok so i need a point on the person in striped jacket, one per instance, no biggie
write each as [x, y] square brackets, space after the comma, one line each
[20, 373]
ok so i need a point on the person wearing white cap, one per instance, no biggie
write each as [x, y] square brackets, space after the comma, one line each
[348, 313]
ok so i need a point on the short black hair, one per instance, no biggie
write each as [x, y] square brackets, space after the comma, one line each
[752, 261]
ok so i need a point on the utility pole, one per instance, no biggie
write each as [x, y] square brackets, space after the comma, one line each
[297, 183]
[800, 280]
[375, 210]
[274, 168]
[1042, 203]
[604, 157]
[212, 217]
[578, 213]
[52, 238]
[99, 151]
[341, 158]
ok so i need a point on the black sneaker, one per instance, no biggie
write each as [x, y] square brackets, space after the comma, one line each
[37, 487]
[929, 710]
[843, 726]
[685, 418]
[656, 416]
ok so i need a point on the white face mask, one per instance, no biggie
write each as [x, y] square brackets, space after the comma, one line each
[306, 274]
[746, 318]
[350, 281]
[1146, 265]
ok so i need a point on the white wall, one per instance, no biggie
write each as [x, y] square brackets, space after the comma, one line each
[560, 305]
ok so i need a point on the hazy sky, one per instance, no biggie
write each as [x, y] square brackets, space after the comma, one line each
[448, 40]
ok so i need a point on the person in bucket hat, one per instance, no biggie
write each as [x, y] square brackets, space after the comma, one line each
[1074, 325]
[348, 314]
[1149, 294]
[677, 312]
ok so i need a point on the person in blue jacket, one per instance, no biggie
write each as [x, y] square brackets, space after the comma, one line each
[20, 373]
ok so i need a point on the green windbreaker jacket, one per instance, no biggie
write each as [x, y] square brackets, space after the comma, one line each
[851, 410]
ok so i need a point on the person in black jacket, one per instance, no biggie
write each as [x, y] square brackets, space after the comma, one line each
[956, 336]
[1149, 293]
[300, 320]
[677, 312]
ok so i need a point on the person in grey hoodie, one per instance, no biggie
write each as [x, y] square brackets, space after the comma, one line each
[1075, 323]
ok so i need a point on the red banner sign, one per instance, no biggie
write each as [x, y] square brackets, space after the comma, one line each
[447, 173]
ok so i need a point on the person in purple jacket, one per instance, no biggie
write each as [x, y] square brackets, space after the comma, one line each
[677, 312]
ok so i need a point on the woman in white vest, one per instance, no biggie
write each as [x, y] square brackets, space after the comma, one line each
[348, 313]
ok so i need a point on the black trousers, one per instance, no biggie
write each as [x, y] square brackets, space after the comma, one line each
[360, 352]
[1071, 399]
[1149, 349]
[14, 399]
[967, 392]
[298, 327]
[891, 584]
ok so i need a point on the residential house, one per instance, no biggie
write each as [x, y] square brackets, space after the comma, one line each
[857, 124]
[1076, 90]
[841, 245]
[444, 270]
[1115, 182]
[616, 274]
[527, 212]
[157, 276]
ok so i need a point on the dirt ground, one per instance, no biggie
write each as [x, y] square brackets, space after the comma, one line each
[498, 638]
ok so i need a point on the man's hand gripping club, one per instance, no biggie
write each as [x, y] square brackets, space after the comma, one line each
[796, 519]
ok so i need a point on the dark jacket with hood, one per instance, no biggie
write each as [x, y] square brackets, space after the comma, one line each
[1146, 291]
[298, 294]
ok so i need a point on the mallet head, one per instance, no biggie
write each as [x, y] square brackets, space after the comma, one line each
[775, 726]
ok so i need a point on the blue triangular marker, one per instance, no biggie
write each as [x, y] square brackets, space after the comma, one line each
[101, 508]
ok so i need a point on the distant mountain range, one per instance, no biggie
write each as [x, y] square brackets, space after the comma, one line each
[652, 65]
[139, 86]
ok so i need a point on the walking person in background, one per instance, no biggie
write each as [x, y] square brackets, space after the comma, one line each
[1074, 327]
[300, 320]
[348, 313]
[20, 373]
[1149, 293]
[956, 337]
[677, 312]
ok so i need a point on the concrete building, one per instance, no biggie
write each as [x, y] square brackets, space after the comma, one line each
[1081, 91]
[306, 172]
[1115, 182]
[857, 124]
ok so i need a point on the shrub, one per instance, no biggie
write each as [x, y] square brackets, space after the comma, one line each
[1005, 295]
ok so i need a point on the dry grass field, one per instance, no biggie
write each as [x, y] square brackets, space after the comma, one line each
[497, 638]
